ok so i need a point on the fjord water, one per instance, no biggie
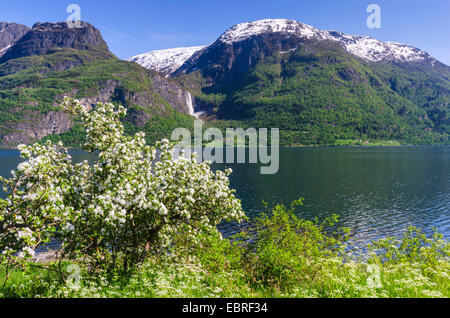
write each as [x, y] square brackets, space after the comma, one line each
[377, 191]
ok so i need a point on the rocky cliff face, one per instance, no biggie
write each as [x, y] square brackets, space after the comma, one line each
[44, 37]
[10, 33]
[37, 127]
[172, 92]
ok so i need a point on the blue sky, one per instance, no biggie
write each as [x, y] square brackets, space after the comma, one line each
[137, 26]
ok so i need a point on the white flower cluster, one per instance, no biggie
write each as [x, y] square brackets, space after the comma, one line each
[36, 203]
[132, 200]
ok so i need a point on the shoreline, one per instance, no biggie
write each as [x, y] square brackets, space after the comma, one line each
[296, 146]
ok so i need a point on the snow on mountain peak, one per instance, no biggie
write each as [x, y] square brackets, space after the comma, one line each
[245, 30]
[165, 61]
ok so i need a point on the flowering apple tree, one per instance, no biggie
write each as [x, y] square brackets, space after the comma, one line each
[111, 214]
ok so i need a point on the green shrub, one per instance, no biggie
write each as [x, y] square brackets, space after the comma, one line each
[285, 247]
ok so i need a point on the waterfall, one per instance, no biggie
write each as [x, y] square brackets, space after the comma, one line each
[190, 106]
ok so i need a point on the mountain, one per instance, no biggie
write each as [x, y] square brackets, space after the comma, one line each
[71, 47]
[43, 37]
[169, 61]
[317, 86]
[52, 60]
[9, 34]
[165, 61]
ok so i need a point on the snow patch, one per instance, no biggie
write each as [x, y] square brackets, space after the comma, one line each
[3, 50]
[165, 61]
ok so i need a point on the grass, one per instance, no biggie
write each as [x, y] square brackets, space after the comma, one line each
[188, 278]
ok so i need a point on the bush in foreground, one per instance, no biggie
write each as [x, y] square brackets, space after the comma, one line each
[111, 215]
